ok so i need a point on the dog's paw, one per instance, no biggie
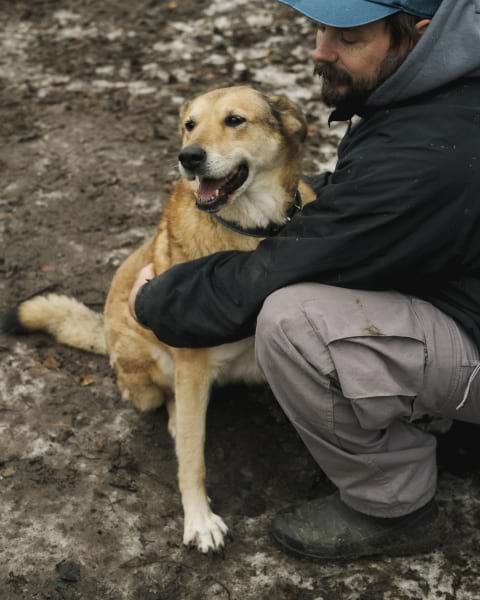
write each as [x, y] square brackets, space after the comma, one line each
[206, 533]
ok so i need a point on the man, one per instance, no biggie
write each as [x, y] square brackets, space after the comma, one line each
[366, 308]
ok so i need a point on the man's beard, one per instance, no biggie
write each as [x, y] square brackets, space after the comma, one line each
[355, 91]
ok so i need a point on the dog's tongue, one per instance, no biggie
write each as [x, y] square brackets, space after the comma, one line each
[208, 187]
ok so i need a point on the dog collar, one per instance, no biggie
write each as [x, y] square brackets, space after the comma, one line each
[270, 230]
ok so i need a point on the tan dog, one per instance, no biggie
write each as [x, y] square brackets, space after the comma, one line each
[241, 161]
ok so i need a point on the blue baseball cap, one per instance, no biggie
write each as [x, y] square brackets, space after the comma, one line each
[353, 13]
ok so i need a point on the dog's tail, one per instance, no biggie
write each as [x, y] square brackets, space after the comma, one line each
[70, 322]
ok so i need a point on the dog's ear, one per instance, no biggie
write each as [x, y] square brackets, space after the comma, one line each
[290, 115]
[183, 111]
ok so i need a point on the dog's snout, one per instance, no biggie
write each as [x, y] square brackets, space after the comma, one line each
[192, 157]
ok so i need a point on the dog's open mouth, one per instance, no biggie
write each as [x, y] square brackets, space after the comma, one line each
[213, 193]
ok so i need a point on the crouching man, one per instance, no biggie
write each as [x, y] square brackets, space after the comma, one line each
[366, 307]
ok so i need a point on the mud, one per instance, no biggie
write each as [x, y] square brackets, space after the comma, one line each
[89, 507]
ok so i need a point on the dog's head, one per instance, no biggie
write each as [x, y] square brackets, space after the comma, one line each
[237, 139]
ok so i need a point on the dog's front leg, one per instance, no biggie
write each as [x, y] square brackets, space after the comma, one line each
[202, 528]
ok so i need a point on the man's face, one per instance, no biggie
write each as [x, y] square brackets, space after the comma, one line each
[353, 62]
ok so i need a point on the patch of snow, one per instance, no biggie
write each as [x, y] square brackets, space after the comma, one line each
[154, 71]
[140, 88]
[77, 32]
[223, 6]
[259, 19]
[106, 70]
[66, 16]
[267, 570]
[276, 77]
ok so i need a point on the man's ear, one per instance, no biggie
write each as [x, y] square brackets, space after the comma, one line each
[290, 115]
[422, 26]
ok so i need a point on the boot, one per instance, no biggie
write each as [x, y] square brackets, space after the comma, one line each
[328, 529]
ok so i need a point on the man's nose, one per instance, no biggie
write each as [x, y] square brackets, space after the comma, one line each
[325, 47]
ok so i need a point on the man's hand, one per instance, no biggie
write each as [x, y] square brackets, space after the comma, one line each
[143, 277]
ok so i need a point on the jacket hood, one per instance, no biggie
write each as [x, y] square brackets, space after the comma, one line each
[448, 50]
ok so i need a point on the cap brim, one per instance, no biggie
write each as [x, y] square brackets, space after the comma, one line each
[341, 13]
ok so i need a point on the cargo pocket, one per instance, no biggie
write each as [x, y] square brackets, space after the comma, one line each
[378, 349]
[381, 376]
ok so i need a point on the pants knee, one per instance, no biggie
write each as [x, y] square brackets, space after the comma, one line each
[284, 331]
[271, 333]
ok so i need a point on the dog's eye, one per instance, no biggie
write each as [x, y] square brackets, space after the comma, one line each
[190, 124]
[234, 120]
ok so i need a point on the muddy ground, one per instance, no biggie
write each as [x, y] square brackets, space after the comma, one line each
[89, 507]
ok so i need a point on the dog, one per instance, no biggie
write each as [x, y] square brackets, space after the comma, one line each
[240, 165]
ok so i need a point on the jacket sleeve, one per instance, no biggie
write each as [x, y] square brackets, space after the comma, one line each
[388, 219]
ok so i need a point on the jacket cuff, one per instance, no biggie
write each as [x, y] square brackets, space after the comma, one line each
[140, 304]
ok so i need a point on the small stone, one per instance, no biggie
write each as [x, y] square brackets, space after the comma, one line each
[52, 362]
[8, 472]
[86, 380]
[68, 571]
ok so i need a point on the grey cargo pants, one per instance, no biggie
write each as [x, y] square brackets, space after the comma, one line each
[351, 370]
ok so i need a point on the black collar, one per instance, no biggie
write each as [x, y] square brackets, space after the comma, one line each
[268, 231]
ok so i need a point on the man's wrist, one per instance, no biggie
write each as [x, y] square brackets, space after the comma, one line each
[140, 303]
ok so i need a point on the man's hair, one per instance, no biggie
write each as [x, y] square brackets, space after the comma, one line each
[401, 27]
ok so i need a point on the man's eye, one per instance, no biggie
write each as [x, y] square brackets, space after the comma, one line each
[190, 124]
[349, 41]
[234, 120]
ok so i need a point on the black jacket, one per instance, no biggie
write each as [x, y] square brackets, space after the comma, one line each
[400, 212]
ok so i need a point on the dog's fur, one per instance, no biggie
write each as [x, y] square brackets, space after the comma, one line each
[269, 139]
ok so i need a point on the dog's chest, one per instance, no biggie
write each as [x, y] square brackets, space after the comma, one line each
[235, 362]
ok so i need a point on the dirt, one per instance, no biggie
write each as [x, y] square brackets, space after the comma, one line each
[89, 97]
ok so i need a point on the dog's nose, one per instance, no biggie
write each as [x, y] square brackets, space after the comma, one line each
[192, 157]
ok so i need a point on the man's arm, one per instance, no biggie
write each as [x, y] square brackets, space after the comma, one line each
[380, 224]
